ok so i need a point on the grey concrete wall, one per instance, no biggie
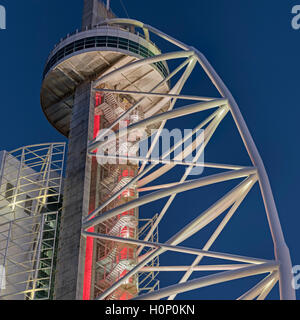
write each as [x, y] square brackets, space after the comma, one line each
[71, 250]
[94, 12]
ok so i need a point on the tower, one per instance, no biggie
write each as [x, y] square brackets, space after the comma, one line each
[109, 75]
[78, 112]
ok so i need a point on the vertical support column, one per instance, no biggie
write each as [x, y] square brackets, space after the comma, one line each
[2, 164]
[71, 248]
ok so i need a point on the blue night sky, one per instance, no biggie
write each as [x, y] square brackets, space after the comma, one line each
[252, 46]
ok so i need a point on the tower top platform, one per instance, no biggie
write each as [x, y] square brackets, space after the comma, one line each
[89, 54]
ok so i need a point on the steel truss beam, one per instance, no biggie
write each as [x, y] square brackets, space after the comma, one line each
[280, 269]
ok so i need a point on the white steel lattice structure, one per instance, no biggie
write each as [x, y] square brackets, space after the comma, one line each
[279, 269]
[30, 190]
[110, 73]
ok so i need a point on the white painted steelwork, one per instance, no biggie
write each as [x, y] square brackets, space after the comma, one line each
[279, 269]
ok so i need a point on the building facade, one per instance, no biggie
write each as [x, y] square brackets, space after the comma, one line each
[30, 207]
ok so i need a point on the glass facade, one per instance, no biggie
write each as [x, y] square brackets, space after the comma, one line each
[30, 207]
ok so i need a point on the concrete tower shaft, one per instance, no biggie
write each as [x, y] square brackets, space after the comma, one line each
[95, 12]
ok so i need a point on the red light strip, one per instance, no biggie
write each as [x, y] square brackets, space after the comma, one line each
[89, 240]
[88, 267]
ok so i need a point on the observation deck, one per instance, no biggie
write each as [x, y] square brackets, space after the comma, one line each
[90, 53]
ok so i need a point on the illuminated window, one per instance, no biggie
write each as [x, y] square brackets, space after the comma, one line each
[28, 205]
[9, 192]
